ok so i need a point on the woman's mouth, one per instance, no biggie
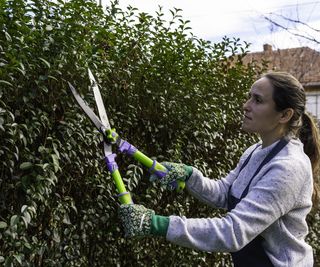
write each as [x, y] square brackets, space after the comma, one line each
[246, 117]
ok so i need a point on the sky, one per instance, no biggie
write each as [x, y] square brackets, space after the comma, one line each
[213, 19]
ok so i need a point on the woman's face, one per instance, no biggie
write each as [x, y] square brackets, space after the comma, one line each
[260, 115]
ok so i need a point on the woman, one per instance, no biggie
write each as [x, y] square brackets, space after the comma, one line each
[268, 195]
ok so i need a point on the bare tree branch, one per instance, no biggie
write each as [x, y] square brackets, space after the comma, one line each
[295, 21]
[292, 31]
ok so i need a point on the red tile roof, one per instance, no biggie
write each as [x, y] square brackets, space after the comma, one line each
[302, 62]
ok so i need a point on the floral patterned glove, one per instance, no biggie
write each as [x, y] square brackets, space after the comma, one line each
[176, 172]
[136, 220]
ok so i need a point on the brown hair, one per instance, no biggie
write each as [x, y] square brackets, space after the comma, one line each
[289, 93]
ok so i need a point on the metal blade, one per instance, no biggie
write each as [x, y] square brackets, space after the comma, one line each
[98, 98]
[96, 121]
[107, 149]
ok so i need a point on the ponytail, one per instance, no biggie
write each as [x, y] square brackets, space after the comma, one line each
[310, 137]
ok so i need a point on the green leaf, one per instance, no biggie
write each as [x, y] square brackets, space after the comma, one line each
[55, 160]
[26, 165]
[14, 220]
[24, 208]
[32, 210]
[52, 77]
[49, 28]
[3, 225]
[5, 82]
[50, 181]
[45, 62]
[66, 219]
[27, 245]
[18, 258]
[8, 36]
[26, 218]
[56, 236]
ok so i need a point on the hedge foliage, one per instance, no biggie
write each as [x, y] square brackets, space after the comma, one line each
[174, 96]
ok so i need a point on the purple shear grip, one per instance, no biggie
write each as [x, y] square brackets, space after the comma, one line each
[111, 163]
[152, 170]
[160, 174]
[122, 194]
[127, 148]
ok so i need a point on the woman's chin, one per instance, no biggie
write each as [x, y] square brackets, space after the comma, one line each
[246, 128]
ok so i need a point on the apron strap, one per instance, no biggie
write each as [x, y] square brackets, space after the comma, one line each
[275, 150]
[248, 158]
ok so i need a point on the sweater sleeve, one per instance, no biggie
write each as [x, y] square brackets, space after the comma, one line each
[214, 192]
[270, 198]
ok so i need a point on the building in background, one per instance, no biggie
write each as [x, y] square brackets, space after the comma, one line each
[301, 62]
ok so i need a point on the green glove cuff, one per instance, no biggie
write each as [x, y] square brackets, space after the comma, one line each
[159, 225]
[188, 170]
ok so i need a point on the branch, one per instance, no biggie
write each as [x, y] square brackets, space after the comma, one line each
[289, 30]
[295, 21]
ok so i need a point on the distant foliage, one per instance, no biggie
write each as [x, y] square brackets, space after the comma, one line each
[172, 95]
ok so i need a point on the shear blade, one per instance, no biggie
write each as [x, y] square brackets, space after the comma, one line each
[96, 121]
[99, 102]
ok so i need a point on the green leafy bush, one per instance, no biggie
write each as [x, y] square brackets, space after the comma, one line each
[172, 95]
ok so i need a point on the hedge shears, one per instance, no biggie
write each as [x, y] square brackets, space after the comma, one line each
[110, 138]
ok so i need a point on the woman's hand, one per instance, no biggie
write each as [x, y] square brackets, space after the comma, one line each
[136, 220]
[177, 172]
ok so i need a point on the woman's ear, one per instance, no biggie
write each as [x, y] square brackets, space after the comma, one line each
[286, 115]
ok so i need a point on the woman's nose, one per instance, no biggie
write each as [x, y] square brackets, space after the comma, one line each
[246, 105]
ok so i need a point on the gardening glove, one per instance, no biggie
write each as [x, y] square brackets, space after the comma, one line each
[177, 172]
[137, 220]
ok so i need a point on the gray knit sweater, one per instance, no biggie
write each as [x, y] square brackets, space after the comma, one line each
[276, 207]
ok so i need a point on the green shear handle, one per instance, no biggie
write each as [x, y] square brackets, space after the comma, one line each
[153, 166]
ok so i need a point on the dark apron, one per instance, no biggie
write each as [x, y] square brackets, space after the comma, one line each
[253, 254]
